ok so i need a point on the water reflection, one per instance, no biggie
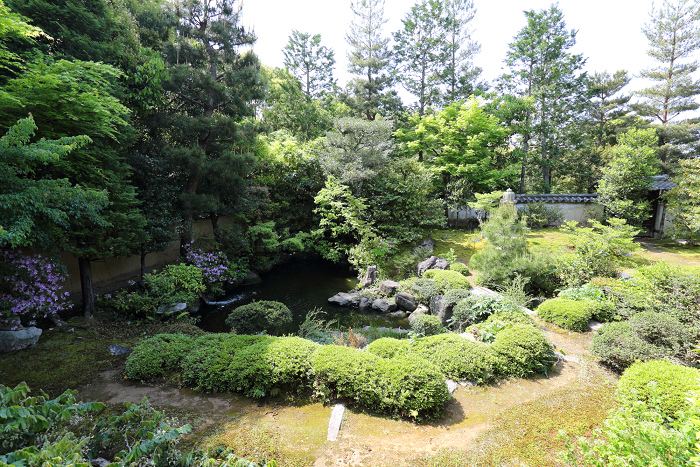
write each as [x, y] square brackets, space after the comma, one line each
[302, 286]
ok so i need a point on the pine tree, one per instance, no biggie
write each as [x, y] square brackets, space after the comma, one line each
[674, 36]
[312, 64]
[607, 104]
[370, 55]
[543, 69]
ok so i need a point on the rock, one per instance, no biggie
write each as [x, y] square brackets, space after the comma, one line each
[406, 301]
[19, 338]
[421, 310]
[594, 325]
[398, 314]
[116, 349]
[389, 287]
[451, 386]
[624, 276]
[171, 308]
[439, 309]
[440, 263]
[427, 246]
[67, 329]
[365, 304]
[383, 305]
[370, 276]
[425, 265]
[251, 278]
[99, 462]
[345, 299]
[400, 331]
[468, 336]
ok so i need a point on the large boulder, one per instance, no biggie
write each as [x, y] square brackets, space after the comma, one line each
[18, 339]
[421, 310]
[406, 301]
[440, 263]
[370, 276]
[345, 299]
[383, 305]
[432, 262]
[389, 287]
[365, 304]
[440, 309]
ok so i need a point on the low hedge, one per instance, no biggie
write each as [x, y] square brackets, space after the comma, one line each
[426, 325]
[447, 279]
[459, 358]
[661, 384]
[522, 350]
[510, 316]
[388, 347]
[568, 314]
[158, 355]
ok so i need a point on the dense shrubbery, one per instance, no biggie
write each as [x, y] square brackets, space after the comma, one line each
[262, 316]
[538, 215]
[573, 315]
[426, 325]
[388, 347]
[475, 309]
[459, 358]
[158, 355]
[424, 289]
[584, 292]
[618, 346]
[522, 350]
[660, 383]
[460, 268]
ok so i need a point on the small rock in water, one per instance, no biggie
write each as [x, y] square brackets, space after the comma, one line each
[116, 349]
[171, 308]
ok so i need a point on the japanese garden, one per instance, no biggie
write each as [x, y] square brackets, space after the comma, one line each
[206, 260]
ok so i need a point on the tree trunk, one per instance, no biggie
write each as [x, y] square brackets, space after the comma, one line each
[143, 264]
[86, 288]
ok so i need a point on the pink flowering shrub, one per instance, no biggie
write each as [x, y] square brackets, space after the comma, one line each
[30, 287]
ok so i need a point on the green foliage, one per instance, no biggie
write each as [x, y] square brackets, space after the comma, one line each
[603, 311]
[618, 346]
[460, 268]
[627, 176]
[448, 280]
[459, 359]
[662, 331]
[538, 215]
[522, 350]
[510, 316]
[158, 355]
[425, 289]
[661, 384]
[23, 418]
[388, 347]
[454, 296]
[515, 291]
[598, 250]
[568, 314]
[682, 204]
[426, 325]
[264, 245]
[262, 316]
[584, 292]
[406, 385]
[315, 328]
[475, 309]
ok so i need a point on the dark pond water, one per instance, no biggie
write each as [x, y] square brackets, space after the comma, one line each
[302, 286]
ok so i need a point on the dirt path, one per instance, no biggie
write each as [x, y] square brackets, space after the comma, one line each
[364, 440]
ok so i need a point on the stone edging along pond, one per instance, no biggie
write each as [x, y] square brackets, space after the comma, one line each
[396, 377]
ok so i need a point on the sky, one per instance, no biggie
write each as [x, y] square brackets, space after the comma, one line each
[609, 31]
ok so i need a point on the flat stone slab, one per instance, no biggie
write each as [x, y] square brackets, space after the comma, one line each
[335, 421]
[594, 325]
[116, 349]
[566, 358]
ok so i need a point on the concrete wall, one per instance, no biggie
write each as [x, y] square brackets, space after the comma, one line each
[579, 212]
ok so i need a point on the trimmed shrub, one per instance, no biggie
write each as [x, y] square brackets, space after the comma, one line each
[447, 279]
[661, 384]
[388, 347]
[475, 309]
[460, 268]
[510, 316]
[458, 358]
[406, 385]
[454, 296]
[262, 316]
[661, 330]
[568, 314]
[412, 387]
[426, 325]
[522, 350]
[155, 356]
[618, 346]
[425, 289]
[603, 311]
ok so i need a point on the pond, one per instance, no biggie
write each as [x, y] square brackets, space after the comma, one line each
[302, 286]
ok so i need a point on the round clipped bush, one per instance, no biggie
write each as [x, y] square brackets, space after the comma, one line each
[510, 316]
[426, 325]
[460, 268]
[661, 384]
[425, 289]
[388, 347]
[522, 350]
[262, 316]
[458, 358]
[568, 314]
[618, 346]
[157, 355]
[412, 387]
[661, 330]
[585, 292]
[447, 279]
[454, 296]
[603, 311]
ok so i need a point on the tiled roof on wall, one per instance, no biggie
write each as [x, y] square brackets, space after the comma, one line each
[568, 198]
[661, 182]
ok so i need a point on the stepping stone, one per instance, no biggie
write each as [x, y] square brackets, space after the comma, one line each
[334, 423]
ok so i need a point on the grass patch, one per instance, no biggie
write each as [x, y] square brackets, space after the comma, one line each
[550, 238]
[463, 242]
[670, 251]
